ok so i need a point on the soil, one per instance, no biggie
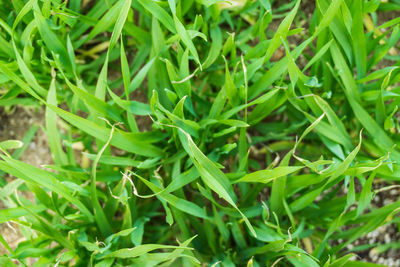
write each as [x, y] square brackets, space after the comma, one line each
[385, 234]
[14, 125]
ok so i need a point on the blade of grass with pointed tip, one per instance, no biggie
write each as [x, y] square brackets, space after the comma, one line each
[51, 40]
[129, 142]
[140, 76]
[35, 175]
[119, 24]
[159, 13]
[351, 91]
[212, 176]
[14, 77]
[266, 176]
[127, 253]
[281, 31]
[184, 36]
[179, 203]
[279, 184]
[105, 23]
[51, 128]
[99, 215]
[14, 213]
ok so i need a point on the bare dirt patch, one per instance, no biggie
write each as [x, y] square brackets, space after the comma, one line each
[14, 125]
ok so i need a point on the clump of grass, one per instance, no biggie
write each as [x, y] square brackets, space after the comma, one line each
[245, 154]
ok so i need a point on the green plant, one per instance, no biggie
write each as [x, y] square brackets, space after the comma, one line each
[204, 147]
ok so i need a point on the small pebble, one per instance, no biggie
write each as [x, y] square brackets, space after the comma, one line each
[387, 238]
[387, 201]
[32, 145]
[372, 253]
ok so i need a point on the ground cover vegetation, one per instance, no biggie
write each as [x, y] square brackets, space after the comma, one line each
[201, 132]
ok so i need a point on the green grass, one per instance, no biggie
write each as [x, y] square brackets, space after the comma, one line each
[213, 133]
